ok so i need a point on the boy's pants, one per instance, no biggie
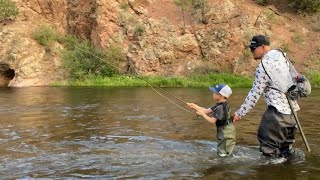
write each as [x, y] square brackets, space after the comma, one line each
[226, 136]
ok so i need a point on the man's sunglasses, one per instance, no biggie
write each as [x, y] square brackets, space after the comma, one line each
[253, 48]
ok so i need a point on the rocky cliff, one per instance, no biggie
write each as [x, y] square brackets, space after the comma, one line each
[157, 36]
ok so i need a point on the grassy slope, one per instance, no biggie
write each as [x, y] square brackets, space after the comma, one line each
[139, 81]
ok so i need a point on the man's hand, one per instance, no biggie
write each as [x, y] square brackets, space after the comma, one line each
[236, 118]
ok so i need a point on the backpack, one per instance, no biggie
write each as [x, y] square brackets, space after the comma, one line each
[301, 86]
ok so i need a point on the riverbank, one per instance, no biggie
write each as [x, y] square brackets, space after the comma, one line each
[142, 81]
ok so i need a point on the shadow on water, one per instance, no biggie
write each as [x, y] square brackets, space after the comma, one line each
[132, 133]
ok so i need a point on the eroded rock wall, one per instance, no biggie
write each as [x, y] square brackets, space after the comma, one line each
[152, 34]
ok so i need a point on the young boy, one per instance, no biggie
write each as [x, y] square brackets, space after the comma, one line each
[221, 116]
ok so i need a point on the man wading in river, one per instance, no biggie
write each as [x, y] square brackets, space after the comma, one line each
[277, 127]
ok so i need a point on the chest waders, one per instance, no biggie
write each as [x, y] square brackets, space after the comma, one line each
[225, 132]
[226, 118]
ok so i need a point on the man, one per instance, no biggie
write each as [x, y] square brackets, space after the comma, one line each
[272, 78]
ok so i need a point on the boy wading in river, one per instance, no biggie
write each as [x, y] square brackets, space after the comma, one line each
[221, 117]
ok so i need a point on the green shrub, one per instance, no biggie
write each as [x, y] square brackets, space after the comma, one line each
[115, 54]
[139, 30]
[82, 60]
[271, 16]
[46, 35]
[126, 20]
[285, 47]
[296, 38]
[8, 10]
[199, 4]
[262, 2]
[314, 78]
[203, 6]
[306, 5]
[124, 5]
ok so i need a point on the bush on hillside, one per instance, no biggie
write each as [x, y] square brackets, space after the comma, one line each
[46, 35]
[262, 2]
[82, 60]
[138, 30]
[309, 6]
[8, 10]
[203, 6]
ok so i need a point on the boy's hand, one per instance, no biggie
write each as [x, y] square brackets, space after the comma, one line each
[192, 105]
[236, 118]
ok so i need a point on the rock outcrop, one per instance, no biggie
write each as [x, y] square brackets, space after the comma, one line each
[152, 33]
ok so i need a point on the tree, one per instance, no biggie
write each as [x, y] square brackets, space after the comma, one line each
[262, 2]
[306, 5]
[203, 6]
[183, 4]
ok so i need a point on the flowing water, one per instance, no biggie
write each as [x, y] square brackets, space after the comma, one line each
[133, 133]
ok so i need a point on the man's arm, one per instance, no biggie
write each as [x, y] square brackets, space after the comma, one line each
[259, 84]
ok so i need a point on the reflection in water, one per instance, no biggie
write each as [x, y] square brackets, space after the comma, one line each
[133, 133]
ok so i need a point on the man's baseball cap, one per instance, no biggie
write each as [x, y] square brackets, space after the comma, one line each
[259, 40]
[222, 89]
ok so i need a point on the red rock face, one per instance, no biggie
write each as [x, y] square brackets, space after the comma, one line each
[155, 36]
[81, 18]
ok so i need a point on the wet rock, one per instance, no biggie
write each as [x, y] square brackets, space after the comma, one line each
[32, 65]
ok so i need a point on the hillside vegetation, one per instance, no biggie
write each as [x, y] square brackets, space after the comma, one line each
[91, 41]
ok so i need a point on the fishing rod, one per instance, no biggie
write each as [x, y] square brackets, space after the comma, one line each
[298, 123]
[151, 85]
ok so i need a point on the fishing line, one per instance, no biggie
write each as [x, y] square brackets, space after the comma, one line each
[152, 86]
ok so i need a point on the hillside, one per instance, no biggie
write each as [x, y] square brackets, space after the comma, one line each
[155, 37]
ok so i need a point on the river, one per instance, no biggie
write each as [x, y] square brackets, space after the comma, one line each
[133, 133]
